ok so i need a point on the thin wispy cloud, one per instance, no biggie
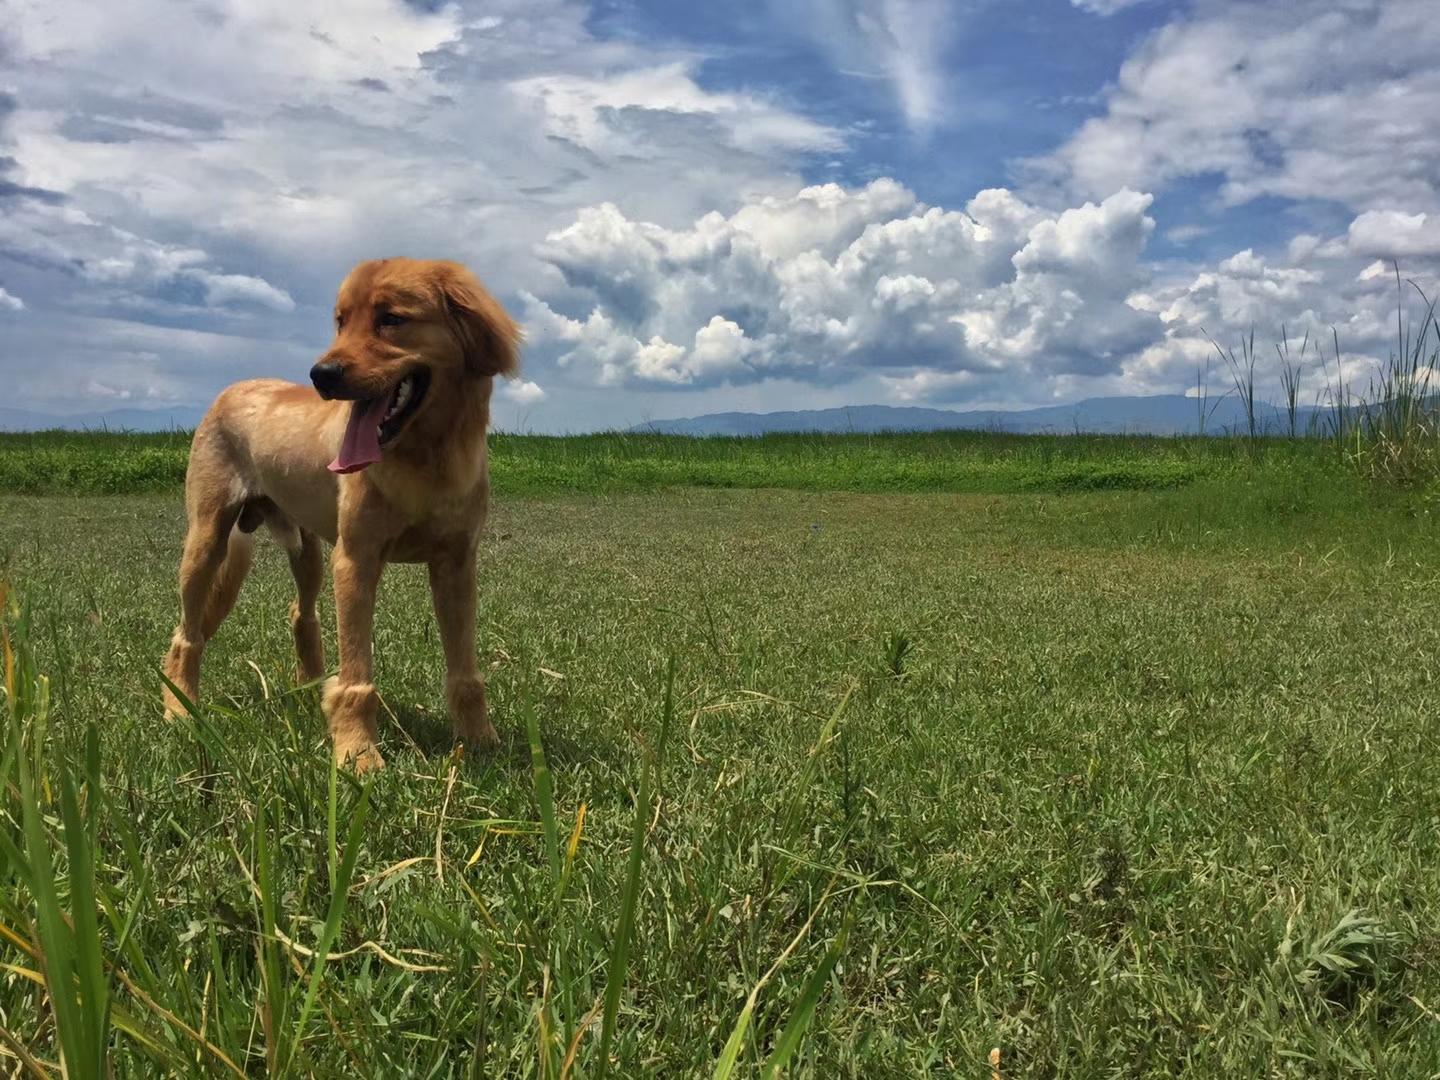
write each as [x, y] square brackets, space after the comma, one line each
[899, 43]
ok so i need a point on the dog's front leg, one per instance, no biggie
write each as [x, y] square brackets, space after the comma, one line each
[350, 701]
[452, 585]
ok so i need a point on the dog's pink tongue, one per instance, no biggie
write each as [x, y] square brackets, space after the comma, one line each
[361, 445]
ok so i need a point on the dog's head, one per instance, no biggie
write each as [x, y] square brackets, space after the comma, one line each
[408, 334]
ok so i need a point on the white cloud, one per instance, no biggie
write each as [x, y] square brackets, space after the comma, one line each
[824, 218]
[479, 122]
[521, 391]
[9, 302]
[216, 164]
[1105, 7]
[97, 389]
[925, 386]
[122, 266]
[1241, 291]
[1316, 99]
[1312, 305]
[1186, 234]
[902, 42]
[829, 285]
[223, 172]
[1396, 235]
[575, 108]
[243, 289]
[91, 361]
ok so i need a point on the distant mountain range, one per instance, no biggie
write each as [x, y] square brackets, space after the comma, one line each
[1164, 414]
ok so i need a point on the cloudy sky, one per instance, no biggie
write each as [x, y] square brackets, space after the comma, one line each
[696, 207]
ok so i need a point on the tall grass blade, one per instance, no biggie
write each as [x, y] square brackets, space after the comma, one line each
[275, 1016]
[794, 1032]
[332, 801]
[94, 987]
[571, 849]
[544, 795]
[68, 964]
[339, 897]
[801, 792]
[629, 899]
[730, 1054]
[58, 959]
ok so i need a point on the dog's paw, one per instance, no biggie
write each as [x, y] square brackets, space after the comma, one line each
[361, 758]
[174, 708]
[477, 733]
[350, 711]
[482, 737]
[469, 715]
[309, 648]
[182, 667]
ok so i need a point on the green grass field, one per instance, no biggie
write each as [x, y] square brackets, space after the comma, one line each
[109, 464]
[1118, 755]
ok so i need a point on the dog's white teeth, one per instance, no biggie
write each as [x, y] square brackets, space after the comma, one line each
[402, 397]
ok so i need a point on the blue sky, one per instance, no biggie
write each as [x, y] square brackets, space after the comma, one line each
[697, 208]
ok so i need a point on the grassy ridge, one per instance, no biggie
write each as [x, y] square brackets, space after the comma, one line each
[98, 463]
[956, 461]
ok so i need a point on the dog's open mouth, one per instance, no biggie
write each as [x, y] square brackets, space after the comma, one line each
[376, 421]
[408, 395]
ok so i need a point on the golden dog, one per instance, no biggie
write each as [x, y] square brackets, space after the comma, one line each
[400, 416]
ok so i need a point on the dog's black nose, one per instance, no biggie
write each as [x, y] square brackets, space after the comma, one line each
[327, 376]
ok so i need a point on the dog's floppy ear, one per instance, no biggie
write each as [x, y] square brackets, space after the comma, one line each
[490, 338]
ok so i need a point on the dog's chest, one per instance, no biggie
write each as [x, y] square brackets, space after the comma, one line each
[425, 540]
[432, 523]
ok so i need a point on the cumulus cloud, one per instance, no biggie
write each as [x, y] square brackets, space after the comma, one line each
[1000, 301]
[830, 284]
[521, 391]
[1325, 300]
[1242, 290]
[1395, 235]
[9, 302]
[1315, 99]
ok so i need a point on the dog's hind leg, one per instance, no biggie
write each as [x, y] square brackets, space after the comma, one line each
[452, 587]
[307, 564]
[207, 543]
[239, 550]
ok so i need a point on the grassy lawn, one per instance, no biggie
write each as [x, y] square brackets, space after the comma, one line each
[1137, 782]
[102, 463]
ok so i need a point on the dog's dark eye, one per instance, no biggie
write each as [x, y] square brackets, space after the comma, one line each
[389, 318]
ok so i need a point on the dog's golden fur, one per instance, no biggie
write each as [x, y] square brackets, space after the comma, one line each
[260, 457]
